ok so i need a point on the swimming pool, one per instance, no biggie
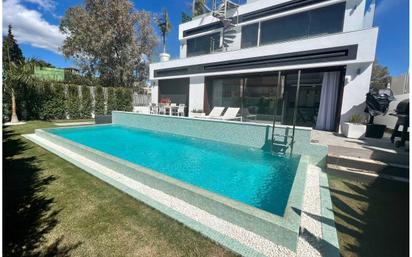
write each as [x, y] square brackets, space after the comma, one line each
[248, 175]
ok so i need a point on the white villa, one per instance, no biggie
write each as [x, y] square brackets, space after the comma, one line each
[256, 55]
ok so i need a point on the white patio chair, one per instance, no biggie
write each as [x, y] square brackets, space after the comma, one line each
[162, 109]
[154, 108]
[181, 110]
[216, 112]
[230, 114]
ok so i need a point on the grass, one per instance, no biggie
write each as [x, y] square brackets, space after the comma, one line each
[53, 208]
[371, 219]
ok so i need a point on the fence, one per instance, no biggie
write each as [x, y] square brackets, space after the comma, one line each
[141, 99]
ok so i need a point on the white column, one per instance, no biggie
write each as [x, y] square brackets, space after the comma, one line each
[357, 83]
[155, 91]
[196, 93]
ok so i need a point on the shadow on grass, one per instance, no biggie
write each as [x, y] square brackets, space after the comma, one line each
[27, 213]
[372, 219]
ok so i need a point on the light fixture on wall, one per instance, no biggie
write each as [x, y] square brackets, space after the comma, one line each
[348, 78]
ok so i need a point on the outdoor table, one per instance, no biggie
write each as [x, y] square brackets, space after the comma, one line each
[171, 108]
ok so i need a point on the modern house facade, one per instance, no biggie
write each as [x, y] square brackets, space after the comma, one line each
[270, 49]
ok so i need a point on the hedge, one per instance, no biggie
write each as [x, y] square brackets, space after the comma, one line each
[99, 101]
[52, 100]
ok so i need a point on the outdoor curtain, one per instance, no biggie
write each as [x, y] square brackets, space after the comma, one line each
[328, 100]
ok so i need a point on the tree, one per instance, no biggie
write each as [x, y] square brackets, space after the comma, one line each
[11, 50]
[185, 17]
[163, 22]
[380, 76]
[199, 7]
[14, 75]
[42, 63]
[108, 38]
[17, 75]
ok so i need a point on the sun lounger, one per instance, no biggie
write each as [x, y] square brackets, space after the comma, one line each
[230, 114]
[215, 113]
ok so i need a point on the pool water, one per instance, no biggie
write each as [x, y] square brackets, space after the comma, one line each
[248, 175]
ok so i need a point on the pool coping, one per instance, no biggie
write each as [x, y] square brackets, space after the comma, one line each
[218, 120]
[295, 198]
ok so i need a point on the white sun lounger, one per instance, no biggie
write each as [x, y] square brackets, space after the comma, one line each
[230, 114]
[215, 113]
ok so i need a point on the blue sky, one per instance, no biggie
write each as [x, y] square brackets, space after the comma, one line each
[36, 28]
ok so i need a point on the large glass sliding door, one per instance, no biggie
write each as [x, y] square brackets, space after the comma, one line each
[309, 98]
[223, 92]
[259, 96]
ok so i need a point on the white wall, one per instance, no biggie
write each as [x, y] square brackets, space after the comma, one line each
[196, 93]
[155, 92]
[354, 15]
[388, 120]
[357, 82]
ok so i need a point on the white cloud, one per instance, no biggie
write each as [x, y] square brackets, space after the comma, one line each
[30, 27]
[48, 5]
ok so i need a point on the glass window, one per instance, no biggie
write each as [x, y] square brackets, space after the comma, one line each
[203, 45]
[324, 20]
[249, 35]
[174, 91]
[284, 28]
[223, 93]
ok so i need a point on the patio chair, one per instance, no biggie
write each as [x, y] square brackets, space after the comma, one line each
[230, 114]
[154, 108]
[162, 109]
[181, 110]
[216, 112]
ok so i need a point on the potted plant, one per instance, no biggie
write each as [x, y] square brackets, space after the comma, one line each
[197, 113]
[355, 127]
[163, 22]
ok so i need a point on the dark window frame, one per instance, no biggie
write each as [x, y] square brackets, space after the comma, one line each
[308, 29]
[190, 53]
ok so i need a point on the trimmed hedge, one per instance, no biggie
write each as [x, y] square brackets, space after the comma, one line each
[52, 100]
[99, 102]
[87, 103]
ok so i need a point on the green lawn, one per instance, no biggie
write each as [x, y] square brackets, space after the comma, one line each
[52, 208]
[371, 219]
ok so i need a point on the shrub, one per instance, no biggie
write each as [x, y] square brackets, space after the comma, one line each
[99, 101]
[128, 99]
[357, 119]
[6, 105]
[86, 100]
[51, 99]
[111, 100]
[73, 102]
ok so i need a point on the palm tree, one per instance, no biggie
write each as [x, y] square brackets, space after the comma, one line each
[165, 26]
[17, 75]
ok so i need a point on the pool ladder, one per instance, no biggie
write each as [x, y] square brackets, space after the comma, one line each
[281, 147]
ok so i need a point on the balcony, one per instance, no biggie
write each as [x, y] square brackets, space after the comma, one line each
[364, 40]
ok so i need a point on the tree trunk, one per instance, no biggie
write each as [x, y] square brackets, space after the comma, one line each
[14, 118]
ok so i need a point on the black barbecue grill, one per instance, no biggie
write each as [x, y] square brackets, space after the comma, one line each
[377, 103]
[402, 113]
